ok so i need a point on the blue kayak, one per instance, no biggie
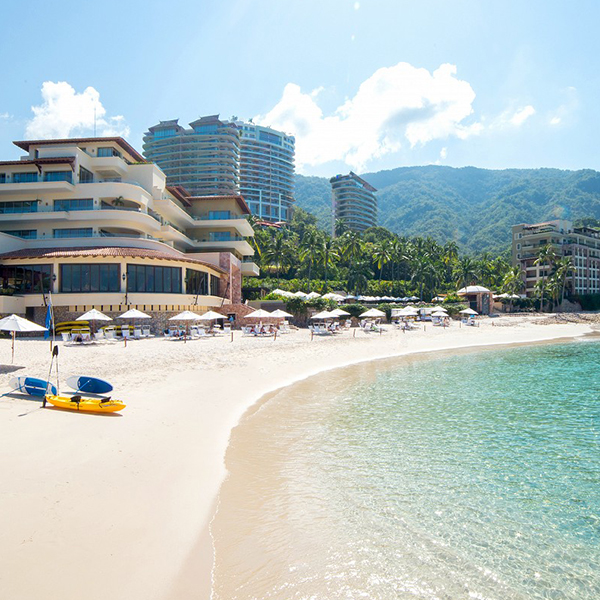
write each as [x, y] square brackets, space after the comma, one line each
[32, 386]
[90, 385]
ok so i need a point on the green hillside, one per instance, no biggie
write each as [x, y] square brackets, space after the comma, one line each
[474, 207]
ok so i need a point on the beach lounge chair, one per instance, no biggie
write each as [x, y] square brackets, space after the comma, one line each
[137, 333]
[66, 337]
[146, 332]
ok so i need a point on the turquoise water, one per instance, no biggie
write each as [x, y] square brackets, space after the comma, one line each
[467, 476]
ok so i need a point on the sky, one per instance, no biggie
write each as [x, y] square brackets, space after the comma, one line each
[364, 85]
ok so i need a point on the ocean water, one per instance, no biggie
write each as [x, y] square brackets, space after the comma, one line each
[473, 475]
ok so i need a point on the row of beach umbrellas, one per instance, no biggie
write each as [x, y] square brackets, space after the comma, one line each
[341, 297]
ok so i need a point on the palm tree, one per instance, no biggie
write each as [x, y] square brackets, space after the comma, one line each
[358, 277]
[513, 283]
[564, 268]
[465, 272]
[421, 269]
[382, 256]
[545, 258]
[329, 256]
[309, 247]
[277, 252]
[352, 247]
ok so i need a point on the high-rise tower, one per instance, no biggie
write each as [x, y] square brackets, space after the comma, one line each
[267, 171]
[353, 202]
[205, 159]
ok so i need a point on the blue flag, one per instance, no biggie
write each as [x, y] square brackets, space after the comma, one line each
[48, 322]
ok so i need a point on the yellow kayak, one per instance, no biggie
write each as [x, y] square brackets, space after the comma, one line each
[79, 403]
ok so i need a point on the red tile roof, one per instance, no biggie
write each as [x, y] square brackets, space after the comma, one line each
[25, 144]
[103, 251]
[180, 193]
[41, 161]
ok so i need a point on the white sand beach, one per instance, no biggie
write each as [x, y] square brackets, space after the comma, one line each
[118, 506]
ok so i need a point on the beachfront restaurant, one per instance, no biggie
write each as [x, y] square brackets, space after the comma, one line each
[478, 298]
[110, 279]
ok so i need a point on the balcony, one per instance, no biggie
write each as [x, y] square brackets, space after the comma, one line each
[35, 187]
[238, 222]
[249, 268]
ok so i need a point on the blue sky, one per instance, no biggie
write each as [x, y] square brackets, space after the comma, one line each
[367, 85]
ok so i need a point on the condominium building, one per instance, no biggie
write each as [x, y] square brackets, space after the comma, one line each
[267, 171]
[582, 244]
[204, 159]
[353, 202]
[95, 224]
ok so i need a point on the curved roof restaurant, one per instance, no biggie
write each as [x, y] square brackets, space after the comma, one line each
[95, 224]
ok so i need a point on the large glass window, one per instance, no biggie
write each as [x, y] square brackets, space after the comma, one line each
[214, 285]
[107, 151]
[18, 206]
[219, 236]
[25, 177]
[59, 176]
[90, 278]
[163, 133]
[85, 176]
[196, 282]
[2, 177]
[148, 278]
[75, 232]
[27, 234]
[219, 214]
[26, 279]
[74, 204]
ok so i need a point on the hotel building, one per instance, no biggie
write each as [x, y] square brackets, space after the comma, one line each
[205, 159]
[93, 222]
[353, 202]
[267, 171]
[582, 244]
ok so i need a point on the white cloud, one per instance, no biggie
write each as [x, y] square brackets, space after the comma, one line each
[443, 153]
[522, 115]
[395, 105]
[567, 109]
[555, 121]
[5, 116]
[356, 5]
[65, 113]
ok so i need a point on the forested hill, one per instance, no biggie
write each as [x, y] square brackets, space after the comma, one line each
[474, 207]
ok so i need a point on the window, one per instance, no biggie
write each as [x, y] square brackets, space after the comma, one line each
[25, 206]
[74, 232]
[214, 285]
[148, 278]
[163, 133]
[26, 279]
[75, 204]
[219, 236]
[107, 152]
[196, 282]
[59, 176]
[270, 138]
[219, 214]
[90, 278]
[25, 177]
[85, 176]
[2, 177]
[26, 234]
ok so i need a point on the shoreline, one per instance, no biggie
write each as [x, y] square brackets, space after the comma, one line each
[161, 466]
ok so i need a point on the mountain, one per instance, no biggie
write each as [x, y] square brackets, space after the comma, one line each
[474, 207]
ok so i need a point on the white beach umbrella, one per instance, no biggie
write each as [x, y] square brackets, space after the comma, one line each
[134, 313]
[313, 295]
[211, 315]
[14, 323]
[468, 311]
[413, 298]
[373, 313]
[259, 314]
[300, 295]
[323, 315]
[472, 289]
[338, 312]
[280, 314]
[186, 315]
[410, 312]
[439, 313]
[93, 315]
[284, 293]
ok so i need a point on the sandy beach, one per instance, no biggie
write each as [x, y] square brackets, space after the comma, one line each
[119, 506]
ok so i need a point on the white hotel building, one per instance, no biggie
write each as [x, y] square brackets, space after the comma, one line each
[93, 222]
